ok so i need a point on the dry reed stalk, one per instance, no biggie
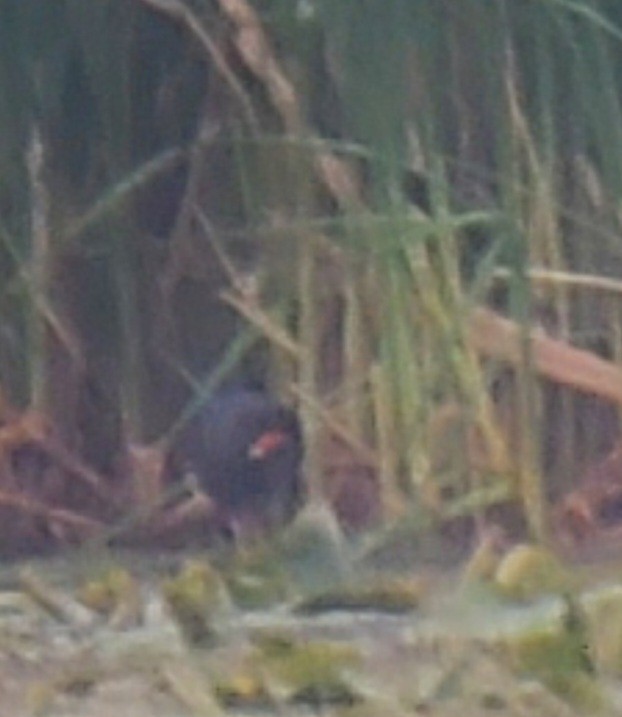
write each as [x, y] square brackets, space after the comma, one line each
[494, 336]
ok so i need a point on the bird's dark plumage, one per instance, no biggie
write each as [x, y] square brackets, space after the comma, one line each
[245, 450]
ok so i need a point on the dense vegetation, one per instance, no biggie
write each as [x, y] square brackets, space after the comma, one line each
[320, 195]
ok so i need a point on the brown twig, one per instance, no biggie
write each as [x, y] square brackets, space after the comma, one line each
[33, 507]
[260, 319]
[55, 602]
[256, 52]
[494, 336]
[31, 427]
[183, 14]
[365, 454]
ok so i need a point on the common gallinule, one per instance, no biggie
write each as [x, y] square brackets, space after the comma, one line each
[245, 450]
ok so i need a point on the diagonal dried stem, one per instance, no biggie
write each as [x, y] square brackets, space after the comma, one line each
[182, 13]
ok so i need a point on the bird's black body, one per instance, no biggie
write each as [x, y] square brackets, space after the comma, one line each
[245, 450]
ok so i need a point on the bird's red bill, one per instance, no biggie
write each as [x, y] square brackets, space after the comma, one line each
[267, 443]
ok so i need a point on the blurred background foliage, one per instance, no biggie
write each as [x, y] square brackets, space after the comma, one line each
[314, 194]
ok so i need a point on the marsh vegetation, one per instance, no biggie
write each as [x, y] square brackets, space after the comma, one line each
[402, 219]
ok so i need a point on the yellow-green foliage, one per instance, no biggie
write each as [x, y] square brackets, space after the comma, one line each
[392, 596]
[559, 655]
[529, 571]
[104, 595]
[604, 615]
[242, 689]
[197, 596]
[307, 670]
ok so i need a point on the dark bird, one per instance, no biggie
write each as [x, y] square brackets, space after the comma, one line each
[245, 450]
